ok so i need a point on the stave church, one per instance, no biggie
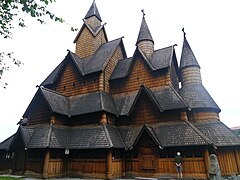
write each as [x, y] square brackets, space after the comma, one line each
[102, 114]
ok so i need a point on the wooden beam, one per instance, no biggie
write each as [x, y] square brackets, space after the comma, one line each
[109, 165]
[206, 161]
[46, 162]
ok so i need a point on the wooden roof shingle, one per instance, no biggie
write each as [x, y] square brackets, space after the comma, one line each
[197, 96]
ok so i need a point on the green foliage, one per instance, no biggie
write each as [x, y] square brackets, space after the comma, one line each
[5, 60]
[10, 10]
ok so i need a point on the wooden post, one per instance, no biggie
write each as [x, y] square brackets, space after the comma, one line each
[103, 119]
[183, 116]
[109, 165]
[46, 161]
[236, 154]
[206, 159]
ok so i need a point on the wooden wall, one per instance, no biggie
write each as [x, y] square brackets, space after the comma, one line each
[118, 54]
[140, 74]
[71, 83]
[201, 116]
[146, 112]
[227, 159]
[39, 112]
[87, 43]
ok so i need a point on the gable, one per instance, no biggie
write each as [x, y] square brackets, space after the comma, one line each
[144, 110]
[140, 72]
[38, 111]
[89, 40]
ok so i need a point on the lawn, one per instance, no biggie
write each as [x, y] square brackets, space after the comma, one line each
[8, 178]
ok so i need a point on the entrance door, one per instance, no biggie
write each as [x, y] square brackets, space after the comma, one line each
[19, 160]
[149, 162]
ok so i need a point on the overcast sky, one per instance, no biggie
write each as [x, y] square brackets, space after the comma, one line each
[212, 29]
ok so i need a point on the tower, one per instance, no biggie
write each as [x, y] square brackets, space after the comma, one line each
[145, 41]
[91, 35]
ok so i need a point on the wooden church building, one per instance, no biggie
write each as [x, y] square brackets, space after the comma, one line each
[101, 114]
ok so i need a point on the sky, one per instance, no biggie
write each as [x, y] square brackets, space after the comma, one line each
[212, 29]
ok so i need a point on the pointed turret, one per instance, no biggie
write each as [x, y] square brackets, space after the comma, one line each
[92, 34]
[189, 67]
[145, 41]
[93, 17]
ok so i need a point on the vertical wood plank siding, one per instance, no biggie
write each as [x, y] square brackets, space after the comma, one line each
[146, 112]
[34, 166]
[227, 161]
[39, 112]
[139, 75]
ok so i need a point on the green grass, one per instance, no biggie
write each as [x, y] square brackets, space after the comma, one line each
[9, 178]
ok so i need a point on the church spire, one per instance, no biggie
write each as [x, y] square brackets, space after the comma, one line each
[93, 11]
[187, 57]
[189, 67]
[145, 41]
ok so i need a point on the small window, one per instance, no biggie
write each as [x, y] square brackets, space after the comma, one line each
[64, 88]
[188, 153]
[74, 85]
[163, 153]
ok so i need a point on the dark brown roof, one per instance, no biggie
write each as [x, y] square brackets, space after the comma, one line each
[187, 57]
[144, 32]
[165, 134]
[164, 98]
[5, 145]
[75, 105]
[197, 96]
[93, 11]
[161, 59]
[217, 132]
[84, 137]
[87, 65]
[178, 133]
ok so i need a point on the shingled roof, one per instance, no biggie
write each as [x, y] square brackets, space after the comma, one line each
[165, 134]
[197, 96]
[5, 145]
[93, 11]
[144, 32]
[87, 65]
[187, 57]
[217, 132]
[161, 59]
[164, 98]
[61, 137]
[75, 105]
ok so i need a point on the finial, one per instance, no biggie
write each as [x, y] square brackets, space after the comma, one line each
[93, 1]
[184, 34]
[143, 12]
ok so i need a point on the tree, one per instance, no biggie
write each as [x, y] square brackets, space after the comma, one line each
[11, 12]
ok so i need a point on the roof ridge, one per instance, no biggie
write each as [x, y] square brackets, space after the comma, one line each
[180, 97]
[146, 59]
[160, 146]
[49, 135]
[200, 134]
[107, 135]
